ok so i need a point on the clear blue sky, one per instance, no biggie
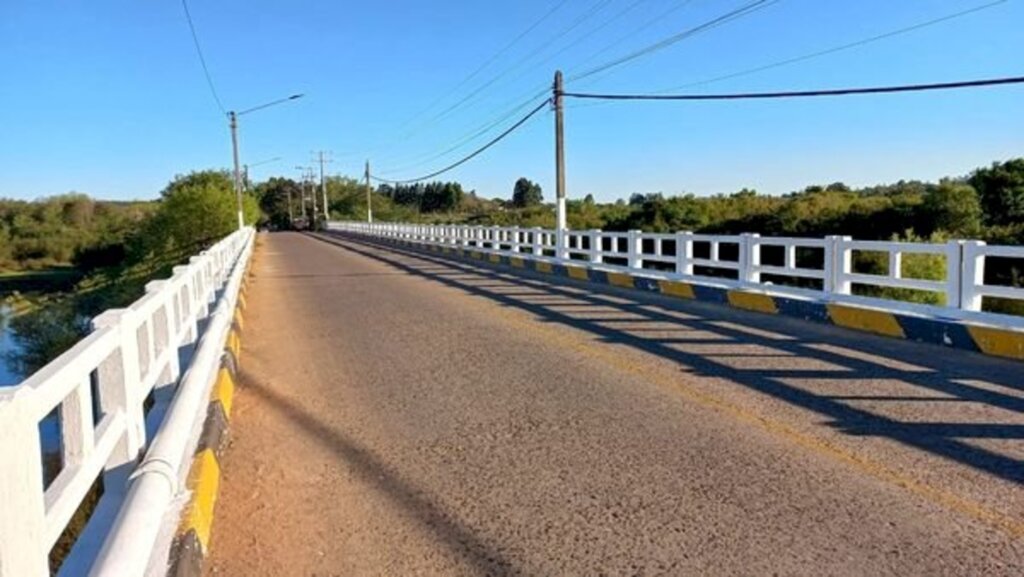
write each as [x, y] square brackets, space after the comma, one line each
[108, 98]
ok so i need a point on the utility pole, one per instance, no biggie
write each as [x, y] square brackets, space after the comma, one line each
[323, 186]
[560, 250]
[233, 121]
[302, 191]
[308, 178]
[369, 199]
[291, 212]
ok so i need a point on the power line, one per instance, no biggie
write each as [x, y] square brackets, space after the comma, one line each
[202, 60]
[594, 9]
[659, 18]
[467, 138]
[736, 14]
[842, 47]
[489, 61]
[475, 153]
[805, 93]
[472, 96]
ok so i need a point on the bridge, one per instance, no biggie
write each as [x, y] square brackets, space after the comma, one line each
[453, 400]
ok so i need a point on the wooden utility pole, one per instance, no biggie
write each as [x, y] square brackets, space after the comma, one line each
[323, 187]
[560, 250]
[369, 199]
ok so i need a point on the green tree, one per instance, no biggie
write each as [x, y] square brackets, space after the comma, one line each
[278, 199]
[1001, 188]
[953, 207]
[526, 193]
[196, 210]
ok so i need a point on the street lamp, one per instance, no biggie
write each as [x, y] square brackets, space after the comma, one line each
[233, 123]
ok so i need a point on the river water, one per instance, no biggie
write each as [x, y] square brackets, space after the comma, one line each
[8, 377]
[49, 428]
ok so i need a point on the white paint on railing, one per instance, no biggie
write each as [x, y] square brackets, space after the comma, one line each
[130, 353]
[963, 287]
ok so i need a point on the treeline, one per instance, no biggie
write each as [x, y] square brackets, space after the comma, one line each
[988, 204]
[425, 197]
[62, 230]
[116, 248]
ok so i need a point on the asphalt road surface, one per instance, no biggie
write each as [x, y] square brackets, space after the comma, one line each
[402, 414]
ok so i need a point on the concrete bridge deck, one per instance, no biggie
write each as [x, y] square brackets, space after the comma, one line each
[403, 414]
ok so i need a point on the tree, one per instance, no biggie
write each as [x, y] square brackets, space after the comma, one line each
[526, 194]
[1001, 188]
[953, 207]
[274, 196]
[197, 210]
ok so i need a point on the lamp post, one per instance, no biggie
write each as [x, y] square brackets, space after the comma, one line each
[233, 124]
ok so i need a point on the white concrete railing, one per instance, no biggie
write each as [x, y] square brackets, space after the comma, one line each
[701, 258]
[99, 389]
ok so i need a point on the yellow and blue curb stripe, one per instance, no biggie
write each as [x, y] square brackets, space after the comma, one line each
[192, 542]
[954, 333]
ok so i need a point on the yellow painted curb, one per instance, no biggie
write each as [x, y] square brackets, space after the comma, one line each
[756, 302]
[241, 301]
[998, 342]
[676, 289]
[578, 273]
[517, 262]
[545, 267]
[234, 344]
[496, 259]
[204, 482]
[869, 320]
[476, 255]
[620, 279]
[239, 319]
[224, 391]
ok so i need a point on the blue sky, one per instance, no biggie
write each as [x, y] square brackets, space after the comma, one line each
[108, 98]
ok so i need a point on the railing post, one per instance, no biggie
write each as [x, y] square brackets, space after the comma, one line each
[23, 521]
[516, 238]
[596, 256]
[633, 249]
[954, 273]
[684, 253]
[972, 275]
[562, 244]
[750, 257]
[118, 382]
[838, 265]
[538, 249]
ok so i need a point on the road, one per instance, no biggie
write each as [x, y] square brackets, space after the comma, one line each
[400, 414]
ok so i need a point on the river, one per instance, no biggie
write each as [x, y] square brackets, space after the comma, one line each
[8, 377]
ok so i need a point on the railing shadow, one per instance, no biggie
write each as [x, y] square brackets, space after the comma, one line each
[369, 469]
[841, 355]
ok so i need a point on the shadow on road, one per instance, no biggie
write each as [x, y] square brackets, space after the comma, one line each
[372, 471]
[729, 344]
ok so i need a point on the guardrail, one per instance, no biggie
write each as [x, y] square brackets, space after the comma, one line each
[100, 390]
[807, 267]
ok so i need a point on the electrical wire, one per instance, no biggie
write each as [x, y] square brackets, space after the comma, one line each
[475, 153]
[746, 9]
[594, 9]
[805, 93]
[202, 59]
[473, 96]
[486, 63]
[467, 138]
[659, 18]
[842, 47]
